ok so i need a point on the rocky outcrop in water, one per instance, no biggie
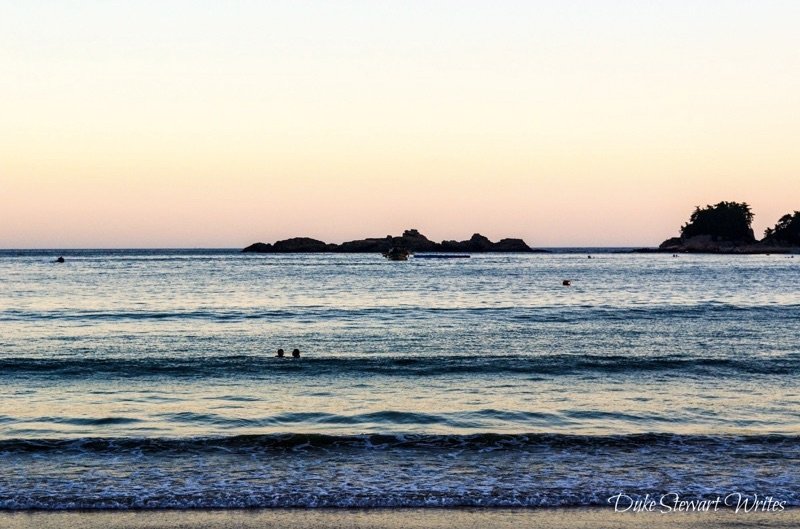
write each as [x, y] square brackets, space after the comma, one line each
[726, 228]
[293, 245]
[705, 244]
[411, 240]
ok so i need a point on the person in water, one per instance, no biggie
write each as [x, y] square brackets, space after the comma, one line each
[296, 353]
[280, 354]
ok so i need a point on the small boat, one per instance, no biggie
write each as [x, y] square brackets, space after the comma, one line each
[397, 254]
[441, 256]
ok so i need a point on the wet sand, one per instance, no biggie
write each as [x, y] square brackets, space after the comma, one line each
[596, 518]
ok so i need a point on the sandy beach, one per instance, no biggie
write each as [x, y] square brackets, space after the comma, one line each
[395, 519]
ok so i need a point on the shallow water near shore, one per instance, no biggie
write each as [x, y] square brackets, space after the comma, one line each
[147, 379]
[574, 518]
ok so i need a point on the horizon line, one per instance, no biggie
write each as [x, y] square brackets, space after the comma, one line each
[226, 248]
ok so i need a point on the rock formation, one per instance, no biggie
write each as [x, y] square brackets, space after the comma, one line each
[411, 240]
[726, 228]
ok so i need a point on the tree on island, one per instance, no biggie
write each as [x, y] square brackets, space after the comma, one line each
[787, 229]
[730, 221]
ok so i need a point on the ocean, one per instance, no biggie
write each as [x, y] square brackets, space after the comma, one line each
[143, 379]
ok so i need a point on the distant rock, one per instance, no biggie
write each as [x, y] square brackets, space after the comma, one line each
[671, 245]
[726, 228]
[259, 247]
[366, 245]
[411, 240]
[512, 245]
[416, 242]
[302, 245]
[477, 243]
[722, 228]
[294, 245]
[703, 244]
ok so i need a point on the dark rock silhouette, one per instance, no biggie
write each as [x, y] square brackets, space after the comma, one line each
[259, 247]
[411, 240]
[302, 244]
[476, 243]
[416, 242]
[726, 228]
[293, 245]
[512, 245]
[721, 228]
[367, 246]
[703, 244]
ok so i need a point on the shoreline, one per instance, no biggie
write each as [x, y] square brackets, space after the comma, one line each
[539, 251]
[393, 518]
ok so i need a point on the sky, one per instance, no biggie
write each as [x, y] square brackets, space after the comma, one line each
[217, 124]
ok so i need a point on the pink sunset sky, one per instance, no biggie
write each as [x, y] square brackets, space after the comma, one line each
[211, 124]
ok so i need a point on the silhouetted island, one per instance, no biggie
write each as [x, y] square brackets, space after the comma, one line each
[726, 227]
[411, 240]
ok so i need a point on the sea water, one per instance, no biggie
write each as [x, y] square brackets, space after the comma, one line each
[148, 379]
